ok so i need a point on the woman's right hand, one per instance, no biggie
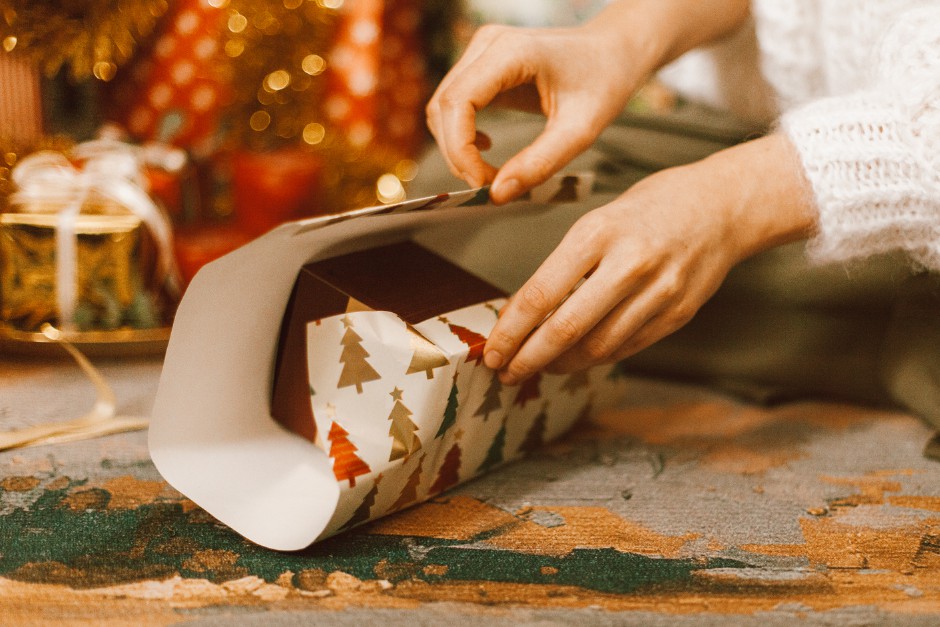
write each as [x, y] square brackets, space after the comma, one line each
[579, 78]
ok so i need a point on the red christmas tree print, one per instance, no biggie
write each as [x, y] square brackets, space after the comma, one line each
[491, 401]
[535, 437]
[346, 464]
[529, 390]
[475, 341]
[449, 473]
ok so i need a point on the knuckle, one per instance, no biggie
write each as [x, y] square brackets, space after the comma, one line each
[535, 298]
[488, 31]
[598, 348]
[682, 313]
[520, 369]
[500, 339]
[564, 329]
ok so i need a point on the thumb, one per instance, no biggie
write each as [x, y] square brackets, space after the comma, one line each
[559, 143]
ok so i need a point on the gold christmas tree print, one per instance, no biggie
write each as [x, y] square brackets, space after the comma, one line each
[346, 464]
[356, 370]
[426, 357]
[402, 431]
[491, 401]
[361, 514]
[449, 473]
[409, 493]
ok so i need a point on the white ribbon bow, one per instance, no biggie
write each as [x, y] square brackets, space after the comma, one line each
[48, 182]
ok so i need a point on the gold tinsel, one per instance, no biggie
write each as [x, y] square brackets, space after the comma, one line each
[90, 37]
[277, 50]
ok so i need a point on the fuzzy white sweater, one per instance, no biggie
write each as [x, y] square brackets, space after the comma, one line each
[855, 85]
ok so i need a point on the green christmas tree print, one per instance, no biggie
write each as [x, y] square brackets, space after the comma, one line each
[450, 412]
[494, 456]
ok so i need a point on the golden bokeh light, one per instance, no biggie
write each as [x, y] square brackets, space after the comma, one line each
[9, 43]
[406, 170]
[389, 189]
[313, 64]
[259, 120]
[237, 22]
[277, 80]
[104, 70]
[314, 133]
[234, 47]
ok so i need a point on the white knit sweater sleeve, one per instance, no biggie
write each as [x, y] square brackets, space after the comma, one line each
[873, 157]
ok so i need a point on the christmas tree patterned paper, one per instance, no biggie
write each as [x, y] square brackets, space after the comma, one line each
[528, 390]
[402, 430]
[426, 357]
[356, 370]
[450, 412]
[362, 512]
[346, 464]
[409, 493]
[491, 402]
[423, 434]
[494, 456]
[448, 475]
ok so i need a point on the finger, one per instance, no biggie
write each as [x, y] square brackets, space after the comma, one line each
[480, 41]
[541, 294]
[626, 323]
[566, 327]
[478, 44]
[522, 98]
[563, 139]
[497, 69]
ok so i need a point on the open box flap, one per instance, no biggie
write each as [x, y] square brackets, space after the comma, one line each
[211, 434]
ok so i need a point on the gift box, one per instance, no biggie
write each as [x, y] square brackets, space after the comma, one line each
[296, 401]
[83, 247]
[380, 366]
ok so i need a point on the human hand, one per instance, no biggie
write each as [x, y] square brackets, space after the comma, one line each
[560, 72]
[650, 259]
[580, 78]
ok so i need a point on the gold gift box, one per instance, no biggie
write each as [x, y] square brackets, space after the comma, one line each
[113, 261]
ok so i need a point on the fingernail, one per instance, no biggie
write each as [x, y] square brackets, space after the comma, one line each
[493, 360]
[507, 190]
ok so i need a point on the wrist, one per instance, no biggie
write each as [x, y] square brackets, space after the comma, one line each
[768, 200]
[653, 33]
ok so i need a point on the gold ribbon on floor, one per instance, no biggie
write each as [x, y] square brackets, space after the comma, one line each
[100, 421]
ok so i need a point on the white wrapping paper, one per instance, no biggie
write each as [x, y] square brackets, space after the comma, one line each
[212, 436]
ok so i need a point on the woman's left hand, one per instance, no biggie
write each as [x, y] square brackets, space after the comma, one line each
[650, 259]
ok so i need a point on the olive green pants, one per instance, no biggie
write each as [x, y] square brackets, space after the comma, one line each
[779, 328]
